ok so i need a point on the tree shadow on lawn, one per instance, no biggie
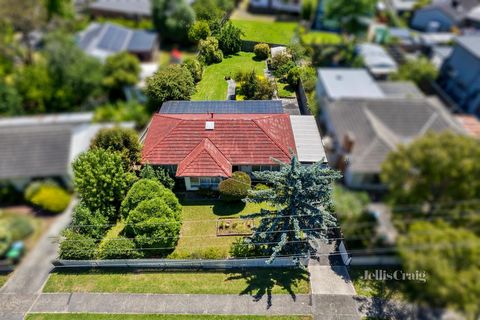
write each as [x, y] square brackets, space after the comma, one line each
[221, 208]
[260, 282]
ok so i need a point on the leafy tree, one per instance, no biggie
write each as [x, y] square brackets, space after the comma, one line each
[170, 83]
[195, 67]
[434, 170]
[157, 173]
[350, 13]
[308, 8]
[34, 85]
[123, 111]
[121, 140]
[293, 76]
[253, 87]
[120, 70]
[118, 248]
[302, 196]
[147, 189]
[92, 224]
[343, 55]
[172, 18]
[229, 38]
[235, 188]
[262, 51]
[59, 8]
[155, 226]
[421, 71]
[76, 77]
[209, 51]
[208, 10]
[450, 258]
[10, 101]
[101, 180]
[200, 30]
[76, 246]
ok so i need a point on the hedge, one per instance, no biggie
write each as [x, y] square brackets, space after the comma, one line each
[76, 246]
[118, 248]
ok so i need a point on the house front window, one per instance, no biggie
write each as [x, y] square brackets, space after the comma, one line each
[204, 182]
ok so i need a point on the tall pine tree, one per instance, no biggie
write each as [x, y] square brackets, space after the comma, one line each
[302, 214]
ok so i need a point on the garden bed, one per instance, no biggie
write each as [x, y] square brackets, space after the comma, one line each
[213, 85]
[234, 227]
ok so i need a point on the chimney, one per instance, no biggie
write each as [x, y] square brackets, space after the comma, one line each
[348, 142]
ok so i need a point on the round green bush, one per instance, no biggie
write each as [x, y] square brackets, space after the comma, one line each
[293, 76]
[195, 67]
[92, 224]
[235, 188]
[261, 50]
[155, 227]
[5, 240]
[51, 198]
[118, 248]
[19, 227]
[35, 186]
[76, 246]
[146, 189]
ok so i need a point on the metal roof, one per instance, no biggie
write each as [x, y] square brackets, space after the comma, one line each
[400, 89]
[128, 7]
[376, 58]
[348, 83]
[307, 139]
[223, 107]
[470, 43]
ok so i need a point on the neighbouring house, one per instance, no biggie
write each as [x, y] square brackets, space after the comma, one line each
[376, 59]
[101, 40]
[442, 15]
[129, 9]
[364, 131]
[204, 142]
[274, 6]
[402, 6]
[470, 123]
[438, 54]
[473, 18]
[44, 146]
[460, 74]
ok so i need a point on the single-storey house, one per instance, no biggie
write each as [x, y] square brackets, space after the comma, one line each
[273, 6]
[101, 40]
[206, 141]
[129, 9]
[460, 74]
[364, 131]
[43, 146]
[442, 15]
[378, 62]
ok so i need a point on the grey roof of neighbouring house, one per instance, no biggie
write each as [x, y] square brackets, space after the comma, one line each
[307, 139]
[348, 83]
[379, 125]
[471, 44]
[226, 107]
[458, 13]
[128, 7]
[37, 146]
[400, 89]
[102, 40]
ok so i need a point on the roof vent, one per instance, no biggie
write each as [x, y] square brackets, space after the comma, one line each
[209, 125]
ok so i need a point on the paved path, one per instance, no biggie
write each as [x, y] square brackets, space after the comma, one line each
[30, 275]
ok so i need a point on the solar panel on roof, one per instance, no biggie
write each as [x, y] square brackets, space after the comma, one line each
[141, 41]
[113, 39]
[222, 107]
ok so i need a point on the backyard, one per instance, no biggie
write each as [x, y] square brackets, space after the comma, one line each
[275, 32]
[318, 37]
[213, 85]
[279, 281]
[84, 316]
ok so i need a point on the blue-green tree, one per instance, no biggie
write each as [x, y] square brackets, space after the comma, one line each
[302, 198]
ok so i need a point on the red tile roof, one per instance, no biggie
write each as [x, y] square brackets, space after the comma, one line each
[470, 123]
[237, 139]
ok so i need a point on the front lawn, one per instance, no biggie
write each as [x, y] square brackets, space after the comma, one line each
[270, 32]
[319, 37]
[279, 281]
[213, 85]
[198, 236]
[85, 316]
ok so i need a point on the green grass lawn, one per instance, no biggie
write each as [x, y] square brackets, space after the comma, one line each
[285, 90]
[319, 37]
[213, 85]
[279, 281]
[264, 31]
[199, 237]
[84, 316]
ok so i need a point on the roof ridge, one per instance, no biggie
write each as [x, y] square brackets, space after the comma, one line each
[286, 152]
[207, 140]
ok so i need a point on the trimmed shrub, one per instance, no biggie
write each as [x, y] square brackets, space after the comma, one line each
[76, 246]
[92, 224]
[195, 67]
[146, 189]
[262, 51]
[209, 51]
[200, 30]
[5, 240]
[155, 226]
[34, 186]
[235, 188]
[157, 173]
[19, 227]
[293, 76]
[51, 198]
[118, 248]
[279, 60]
